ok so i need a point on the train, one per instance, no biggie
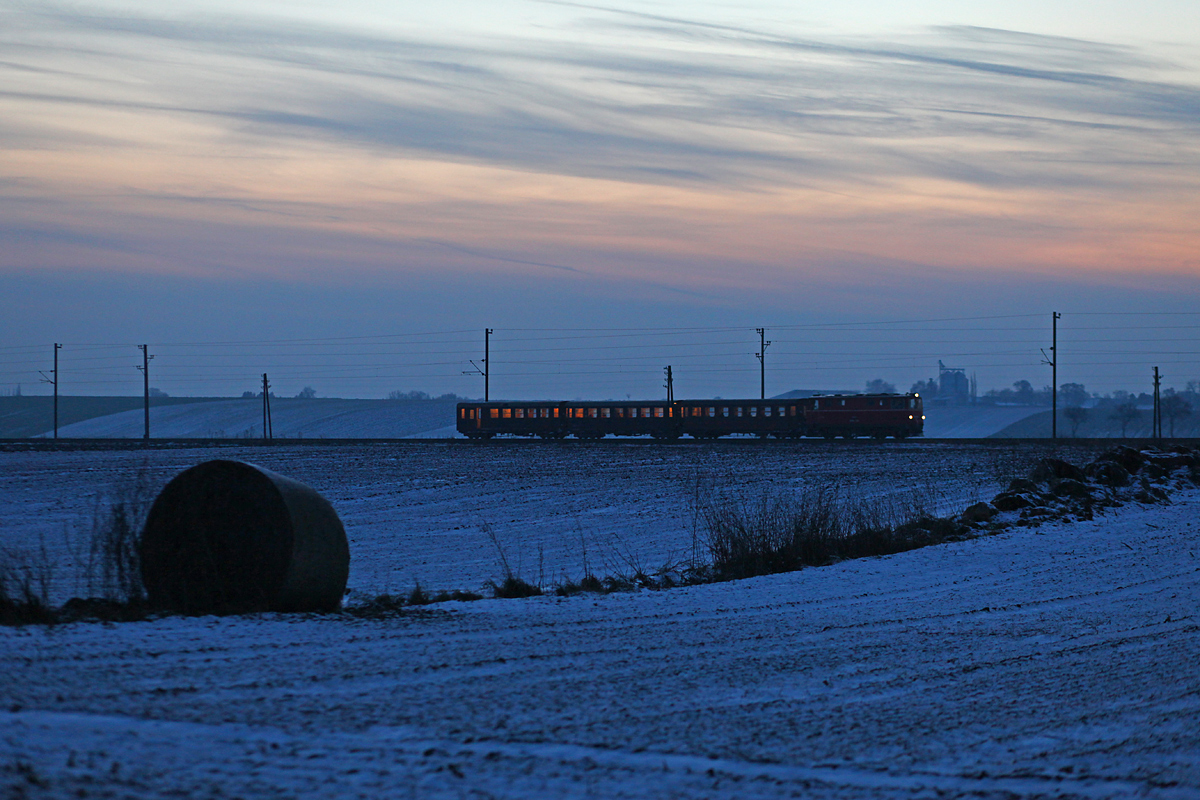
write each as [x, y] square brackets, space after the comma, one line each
[829, 416]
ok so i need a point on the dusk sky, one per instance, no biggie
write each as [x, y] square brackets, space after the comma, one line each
[611, 187]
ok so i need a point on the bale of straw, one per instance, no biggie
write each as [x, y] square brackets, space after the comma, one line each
[230, 537]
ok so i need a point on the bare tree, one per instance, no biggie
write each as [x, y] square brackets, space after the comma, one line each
[1076, 415]
[1173, 406]
[880, 386]
[1124, 414]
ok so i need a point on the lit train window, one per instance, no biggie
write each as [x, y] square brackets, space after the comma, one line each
[508, 413]
[520, 413]
[592, 413]
[606, 413]
[556, 413]
[495, 413]
[658, 411]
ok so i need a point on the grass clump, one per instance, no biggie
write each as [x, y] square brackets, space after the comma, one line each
[25, 588]
[782, 532]
[514, 587]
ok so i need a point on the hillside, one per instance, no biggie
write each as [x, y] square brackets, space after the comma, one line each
[971, 422]
[291, 418]
[1098, 425]
[33, 416]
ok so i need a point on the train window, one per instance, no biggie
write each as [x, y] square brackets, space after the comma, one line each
[658, 411]
[754, 411]
[816, 404]
[520, 413]
[767, 411]
[712, 411]
[843, 402]
[791, 411]
[495, 413]
[738, 411]
[912, 402]
[508, 413]
[606, 413]
[645, 412]
[780, 410]
[724, 411]
[592, 412]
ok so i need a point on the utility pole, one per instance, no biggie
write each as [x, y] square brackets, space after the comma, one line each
[54, 382]
[763, 344]
[268, 433]
[145, 368]
[670, 384]
[1157, 422]
[1052, 360]
[486, 368]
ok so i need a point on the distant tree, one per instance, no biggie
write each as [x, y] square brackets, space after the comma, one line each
[249, 395]
[1023, 392]
[1076, 415]
[1123, 414]
[1072, 394]
[880, 386]
[927, 388]
[414, 395]
[156, 392]
[1173, 407]
[307, 393]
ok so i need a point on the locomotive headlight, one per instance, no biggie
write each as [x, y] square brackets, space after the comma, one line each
[922, 416]
[910, 416]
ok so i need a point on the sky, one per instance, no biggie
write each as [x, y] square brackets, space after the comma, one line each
[346, 195]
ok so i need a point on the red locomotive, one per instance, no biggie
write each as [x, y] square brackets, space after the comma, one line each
[830, 416]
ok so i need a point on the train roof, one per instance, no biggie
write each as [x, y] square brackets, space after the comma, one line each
[661, 401]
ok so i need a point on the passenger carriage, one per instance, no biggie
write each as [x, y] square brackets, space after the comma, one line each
[824, 415]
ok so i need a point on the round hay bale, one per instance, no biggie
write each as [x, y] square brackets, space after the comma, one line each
[230, 537]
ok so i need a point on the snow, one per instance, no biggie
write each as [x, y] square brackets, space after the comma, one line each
[972, 422]
[290, 418]
[1057, 661]
[416, 512]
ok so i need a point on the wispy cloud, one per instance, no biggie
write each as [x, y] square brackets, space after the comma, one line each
[747, 108]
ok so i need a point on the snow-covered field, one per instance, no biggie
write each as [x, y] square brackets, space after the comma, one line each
[417, 512]
[1058, 661]
[291, 418]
